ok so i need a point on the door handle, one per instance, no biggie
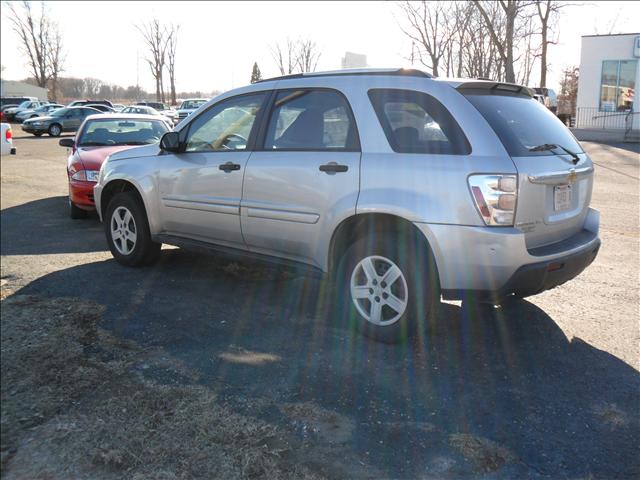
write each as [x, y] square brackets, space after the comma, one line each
[229, 167]
[333, 167]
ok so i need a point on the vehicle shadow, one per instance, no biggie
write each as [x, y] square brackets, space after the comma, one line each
[484, 393]
[50, 229]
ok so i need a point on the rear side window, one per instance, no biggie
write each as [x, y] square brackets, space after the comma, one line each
[415, 122]
[522, 123]
[311, 120]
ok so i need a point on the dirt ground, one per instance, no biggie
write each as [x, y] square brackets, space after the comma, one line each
[201, 367]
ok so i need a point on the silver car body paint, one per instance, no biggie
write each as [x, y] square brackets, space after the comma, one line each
[279, 203]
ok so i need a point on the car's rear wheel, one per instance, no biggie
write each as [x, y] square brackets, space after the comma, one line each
[55, 130]
[127, 231]
[389, 284]
[75, 212]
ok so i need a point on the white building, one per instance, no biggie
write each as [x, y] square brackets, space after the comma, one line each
[609, 76]
[9, 88]
[354, 60]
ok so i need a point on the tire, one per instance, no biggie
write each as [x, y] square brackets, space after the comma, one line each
[406, 303]
[55, 130]
[127, 231]
[75, 212]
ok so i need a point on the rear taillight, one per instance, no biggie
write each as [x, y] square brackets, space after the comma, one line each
[495, 197]
[8, 135]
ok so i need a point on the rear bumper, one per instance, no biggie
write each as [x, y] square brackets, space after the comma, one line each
[493, 263]
[533, 278]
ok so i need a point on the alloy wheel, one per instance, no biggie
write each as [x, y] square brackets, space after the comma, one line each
[379, 290]
[123, 230]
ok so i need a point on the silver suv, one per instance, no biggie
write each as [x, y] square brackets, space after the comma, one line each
[403, 187]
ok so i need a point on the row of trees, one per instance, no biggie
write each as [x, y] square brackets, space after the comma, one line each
[296, 56]
[42, 44]
[73, 88]
[500, 39]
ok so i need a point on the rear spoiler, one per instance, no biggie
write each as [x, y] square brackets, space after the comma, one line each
[496, 87]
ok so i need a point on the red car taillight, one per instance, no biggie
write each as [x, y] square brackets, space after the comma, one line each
[8, 135]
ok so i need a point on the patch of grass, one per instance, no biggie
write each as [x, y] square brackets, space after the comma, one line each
[73, 406]
[610, 414]
[314, 421]
[486, 456]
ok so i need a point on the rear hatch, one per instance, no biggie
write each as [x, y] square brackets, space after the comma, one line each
[555, 176]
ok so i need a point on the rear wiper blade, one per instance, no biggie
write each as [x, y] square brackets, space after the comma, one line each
[552, 146]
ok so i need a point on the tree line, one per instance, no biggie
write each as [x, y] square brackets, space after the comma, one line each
[501, 40]
[69, 88]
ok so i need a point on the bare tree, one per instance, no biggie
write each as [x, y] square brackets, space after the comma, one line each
[285, 56]
[56, 57]
[156, 39]
[547, 13]
[92, 86]
[307, 56]
[511, 11]
[432, 26]
[40, 40]
[172, 43]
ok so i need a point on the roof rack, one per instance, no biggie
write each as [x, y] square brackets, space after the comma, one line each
[401, 72]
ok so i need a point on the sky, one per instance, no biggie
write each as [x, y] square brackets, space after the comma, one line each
[219, 41]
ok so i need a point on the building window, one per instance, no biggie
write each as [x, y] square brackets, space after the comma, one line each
[618, 84]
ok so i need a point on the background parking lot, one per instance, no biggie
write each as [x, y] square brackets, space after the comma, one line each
[542, 387]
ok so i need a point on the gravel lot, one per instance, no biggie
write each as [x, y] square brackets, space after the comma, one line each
[543, 388]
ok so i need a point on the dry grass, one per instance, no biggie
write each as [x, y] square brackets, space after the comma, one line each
[485, 455]
[611, 415]
[314, 421]
[73, 407]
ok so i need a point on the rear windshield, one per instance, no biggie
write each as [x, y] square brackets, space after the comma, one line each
[192, 104]
[99, 133]
[523, 123]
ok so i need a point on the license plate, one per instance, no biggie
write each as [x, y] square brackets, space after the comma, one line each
[562, 197]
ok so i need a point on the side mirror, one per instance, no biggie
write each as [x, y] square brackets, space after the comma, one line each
[170, 142]
[67, 142]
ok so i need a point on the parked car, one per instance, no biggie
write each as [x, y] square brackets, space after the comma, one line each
[67, 119]
[80, 103]
[118, 107]
[14, 101]
[145, 110]
[163, 109]
[10, 113]
[6, 140]
[38, 112]
[102, 108]
[187, 107]
[549, 97]
[332, 170]
[98, 137]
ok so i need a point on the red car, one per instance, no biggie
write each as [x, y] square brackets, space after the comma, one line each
[98, 137]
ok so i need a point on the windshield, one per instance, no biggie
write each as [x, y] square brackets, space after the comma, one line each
[24, 104]
[192, 104]
[98, 133]
[60, 113]
[523, 123]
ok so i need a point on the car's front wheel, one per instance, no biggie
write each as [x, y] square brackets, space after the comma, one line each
[55, 130]
[127, 231]
[390, 286]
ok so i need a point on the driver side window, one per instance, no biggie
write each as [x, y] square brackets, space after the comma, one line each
[226, 126]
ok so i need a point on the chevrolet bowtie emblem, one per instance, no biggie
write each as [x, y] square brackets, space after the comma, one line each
[573, 176]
